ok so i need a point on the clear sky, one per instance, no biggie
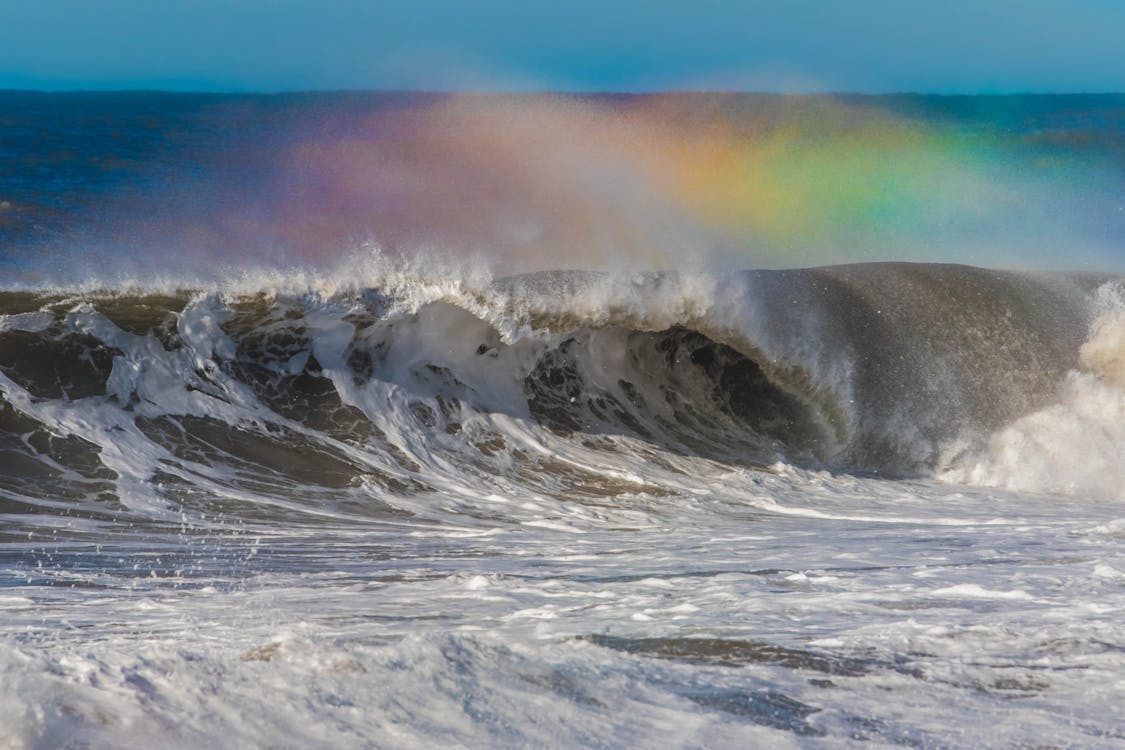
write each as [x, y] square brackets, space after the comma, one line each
[947, 46]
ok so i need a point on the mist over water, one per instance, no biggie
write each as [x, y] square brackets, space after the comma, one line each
[121, 185]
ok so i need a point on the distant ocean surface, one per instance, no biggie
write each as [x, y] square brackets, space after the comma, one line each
[413, 420]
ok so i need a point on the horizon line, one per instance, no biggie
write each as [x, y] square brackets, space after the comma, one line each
[548, 92]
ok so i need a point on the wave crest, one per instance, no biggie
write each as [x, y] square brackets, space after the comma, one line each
[556, 384]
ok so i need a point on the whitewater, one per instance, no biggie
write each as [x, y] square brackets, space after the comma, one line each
[403, 500]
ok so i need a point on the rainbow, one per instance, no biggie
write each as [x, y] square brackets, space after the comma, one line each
[667, 181]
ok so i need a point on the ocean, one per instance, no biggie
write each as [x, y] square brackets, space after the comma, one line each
[690, 420]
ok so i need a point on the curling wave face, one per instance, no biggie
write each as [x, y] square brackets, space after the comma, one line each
[565, 385]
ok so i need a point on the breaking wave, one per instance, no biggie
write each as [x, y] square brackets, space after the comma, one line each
[368, 398]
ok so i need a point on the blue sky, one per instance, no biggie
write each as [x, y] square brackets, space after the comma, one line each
[966, 46]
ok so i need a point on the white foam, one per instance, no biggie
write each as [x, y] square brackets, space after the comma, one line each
[1076, 446]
